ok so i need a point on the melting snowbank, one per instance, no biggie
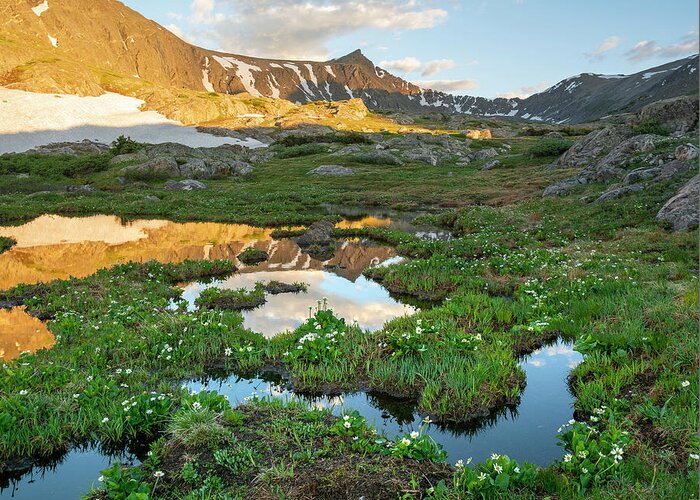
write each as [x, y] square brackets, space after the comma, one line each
[28, 120]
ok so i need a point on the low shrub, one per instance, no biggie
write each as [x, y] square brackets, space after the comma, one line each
[549, 147]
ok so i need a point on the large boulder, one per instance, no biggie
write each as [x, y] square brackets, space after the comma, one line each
[564, 187]
[609, 167]
[640, 174]
[592, 146]
[331, 170]
[677, 116]
[478, 134]
[490, 164]
[483, 154]
[681, 211]
[319, 233]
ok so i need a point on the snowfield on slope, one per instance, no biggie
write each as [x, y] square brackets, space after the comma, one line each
[28, 120]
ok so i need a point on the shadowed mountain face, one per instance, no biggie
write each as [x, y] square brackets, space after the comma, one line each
[78, 47]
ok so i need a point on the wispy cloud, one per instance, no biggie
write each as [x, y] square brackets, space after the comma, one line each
[525, 91]
[288, 28]
[178, 32]
[605, 46]
[413, 64]
[452, 86]
[647, 49]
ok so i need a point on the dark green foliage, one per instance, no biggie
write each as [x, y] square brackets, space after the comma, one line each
[342, 138]
[217, 298]
[650, 127]
[124, 145]
[302, 150]
[549, 147]
[6, 243]
[53, 166]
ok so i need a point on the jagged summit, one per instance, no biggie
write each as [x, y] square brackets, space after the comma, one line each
[78, 47]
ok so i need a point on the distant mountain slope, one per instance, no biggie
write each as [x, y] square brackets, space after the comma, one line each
[80, 47]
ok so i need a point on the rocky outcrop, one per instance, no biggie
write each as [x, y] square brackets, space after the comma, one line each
[177, 160]
[640, 174]
[681, 211]
[673, 168]
[331, 170]
[317, 240]
[592, 146]
[677, 116]
[82, 148]
[184, 185]
[562, 188]
[478, 134]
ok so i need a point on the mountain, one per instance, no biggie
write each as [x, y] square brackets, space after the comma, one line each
[86, 48]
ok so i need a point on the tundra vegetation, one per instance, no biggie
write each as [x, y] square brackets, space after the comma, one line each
[520, 271]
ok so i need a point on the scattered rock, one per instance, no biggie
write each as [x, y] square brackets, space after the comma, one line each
[483, 154]
[83, 188]
[185, 185]
[640, 174]
[686, 152]
[619, 191]
[124, 158]
[678, 115]
[489, 165]
[681, 211]
[331, 170]
[673, 168]
[563, 188]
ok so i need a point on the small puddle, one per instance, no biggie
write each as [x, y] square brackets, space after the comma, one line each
[526, 433]
[20, 332]
[67, 478]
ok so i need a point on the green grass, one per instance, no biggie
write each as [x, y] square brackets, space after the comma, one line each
[6, 243]
[219, 298]
[519, 271]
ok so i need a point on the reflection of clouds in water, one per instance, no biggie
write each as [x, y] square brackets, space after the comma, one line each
[364, 300]
[559, 353]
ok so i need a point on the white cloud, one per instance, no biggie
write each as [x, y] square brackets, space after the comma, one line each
[606, 45]
[405, 65]
[178, 32]
[525, 91]
[412, 64]
[451, 86]
[292, 29]
[646, 49]
[438, 65]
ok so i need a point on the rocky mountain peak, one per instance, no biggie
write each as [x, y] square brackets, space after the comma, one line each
[355, 57]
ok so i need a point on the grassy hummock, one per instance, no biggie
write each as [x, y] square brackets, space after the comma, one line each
[6, 243]
[235, 300]
[253, 256]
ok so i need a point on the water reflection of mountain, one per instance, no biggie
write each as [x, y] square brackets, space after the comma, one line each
[21, 332]
[53, 247]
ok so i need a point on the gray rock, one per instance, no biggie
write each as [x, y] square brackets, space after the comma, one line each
[83, 188]
[483, 154]
[490, 164]
[607, 168]
[424, 156]
[151, 198]
[319, 233]
[681, 211]
[678, 115]
[331, 170]
[125, 158]
[592, 146]
[185, 185]
[686, 152]
[673, 168]
[564, 187]
[640, 174]
[619, 191]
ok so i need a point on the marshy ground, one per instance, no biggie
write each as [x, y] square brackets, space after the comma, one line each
[517, 272]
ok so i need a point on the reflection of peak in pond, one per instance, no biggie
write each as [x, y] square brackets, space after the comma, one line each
[21, 332]
[54, 247]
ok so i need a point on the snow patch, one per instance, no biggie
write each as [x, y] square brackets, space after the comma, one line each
[205, 77]
[28, 120]
[302, 81]
[611, 77]
[54, 41]
[274, 86]
[275, 65]
[347, 89]
[572, 86]
[330, 71]
[244, 72]
[41, 8]
[311, 74]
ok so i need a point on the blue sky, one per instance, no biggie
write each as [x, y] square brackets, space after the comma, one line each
[487, 48]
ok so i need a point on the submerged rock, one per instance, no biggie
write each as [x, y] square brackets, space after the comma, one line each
[681, 211]
[331, 170]
[318, 233]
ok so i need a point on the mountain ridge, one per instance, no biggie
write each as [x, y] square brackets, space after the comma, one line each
[73, 47]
